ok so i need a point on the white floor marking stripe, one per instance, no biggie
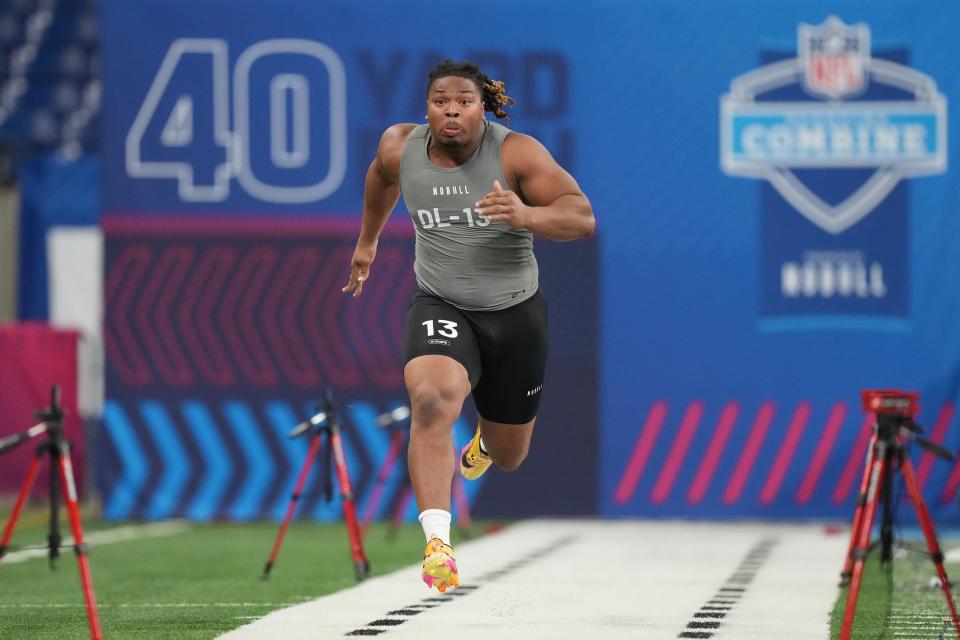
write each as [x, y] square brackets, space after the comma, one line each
[109, 536]
[793, 594]
[619, 579]
[151, 605]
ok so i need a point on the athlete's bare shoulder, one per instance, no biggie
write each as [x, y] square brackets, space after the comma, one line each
[521, 153]
[532, 171]
[391, 149]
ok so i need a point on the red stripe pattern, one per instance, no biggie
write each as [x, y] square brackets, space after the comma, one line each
[856, 462]
[701, 482]
[824, 447]
[688, 428]
[782, 462]
[749, 455]
[742, 460]
[641, 453]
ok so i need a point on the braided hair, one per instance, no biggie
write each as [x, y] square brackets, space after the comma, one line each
[492, 91]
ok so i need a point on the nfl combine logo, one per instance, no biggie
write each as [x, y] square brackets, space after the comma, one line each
[833, 128]
[771, 139]
[834, 57]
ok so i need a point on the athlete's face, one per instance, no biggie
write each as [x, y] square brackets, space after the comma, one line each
[455, 111]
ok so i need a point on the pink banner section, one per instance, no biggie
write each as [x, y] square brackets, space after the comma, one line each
[796, 453]
[33, 358]
[271, 316]
[638, 460]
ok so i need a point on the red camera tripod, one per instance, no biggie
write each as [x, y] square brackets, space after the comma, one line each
[325, 422]
[895, 412]
[58, 451]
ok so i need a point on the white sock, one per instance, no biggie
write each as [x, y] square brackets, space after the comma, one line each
[483, 449]
[436, 522]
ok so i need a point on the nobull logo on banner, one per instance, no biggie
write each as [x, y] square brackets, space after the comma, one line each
[833, 129]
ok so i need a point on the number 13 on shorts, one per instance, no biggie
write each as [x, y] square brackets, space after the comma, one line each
[448, 328]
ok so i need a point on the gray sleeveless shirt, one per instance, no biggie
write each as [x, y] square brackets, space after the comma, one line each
[462, 257]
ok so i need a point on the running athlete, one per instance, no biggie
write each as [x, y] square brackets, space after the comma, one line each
[477, 193]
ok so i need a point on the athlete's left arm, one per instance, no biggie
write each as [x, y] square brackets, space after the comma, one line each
[543, 197]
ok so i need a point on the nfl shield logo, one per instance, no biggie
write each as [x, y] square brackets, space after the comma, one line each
[834, 56]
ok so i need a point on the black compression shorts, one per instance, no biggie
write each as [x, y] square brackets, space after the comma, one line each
[504, 352]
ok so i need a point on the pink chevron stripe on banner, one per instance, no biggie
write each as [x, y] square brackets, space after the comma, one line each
[122, 284]
[241, 312]
[280, 311]
[749, 456]
[175, 369]
[782, 462]
[364, 324]
[236, 316]
[641, 452]
[397, 310]
[688, 428]
[204, 346]
[938, 435]
[263, 263]
[323, 320]
[143, 315]
[822, 453]
[857, 461]
[701, 482]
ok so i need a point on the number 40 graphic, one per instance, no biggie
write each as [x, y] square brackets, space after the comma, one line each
[182, 130]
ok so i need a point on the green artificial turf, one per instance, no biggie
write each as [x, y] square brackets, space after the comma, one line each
[900, 599]
[194, 584]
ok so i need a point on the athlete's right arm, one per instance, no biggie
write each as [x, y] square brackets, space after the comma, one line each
[381, 190]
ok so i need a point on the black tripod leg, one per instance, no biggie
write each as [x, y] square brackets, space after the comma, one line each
[53, 537]
[886, 498]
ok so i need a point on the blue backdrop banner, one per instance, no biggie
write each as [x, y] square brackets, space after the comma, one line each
[772, 186]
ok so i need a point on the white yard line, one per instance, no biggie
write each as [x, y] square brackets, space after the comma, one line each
[149, 605]
[951, 556]
[561, 579]
[108, 536]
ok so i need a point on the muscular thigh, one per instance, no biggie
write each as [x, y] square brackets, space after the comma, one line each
[513, 350]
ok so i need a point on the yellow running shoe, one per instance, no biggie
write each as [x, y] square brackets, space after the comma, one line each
[439, 565]
[473, 462]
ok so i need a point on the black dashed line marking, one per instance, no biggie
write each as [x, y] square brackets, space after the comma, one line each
[717, 607]
[382, 625]
[697, 624]
[386, 622]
